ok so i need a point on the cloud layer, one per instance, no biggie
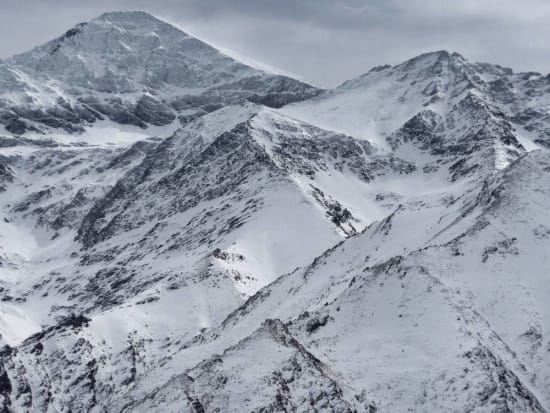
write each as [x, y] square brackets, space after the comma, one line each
[324, 41]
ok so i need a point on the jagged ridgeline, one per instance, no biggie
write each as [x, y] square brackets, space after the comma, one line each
[184, 232]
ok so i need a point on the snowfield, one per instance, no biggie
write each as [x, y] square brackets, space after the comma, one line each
[182, 232]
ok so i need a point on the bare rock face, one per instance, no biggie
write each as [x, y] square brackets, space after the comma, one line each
[182, 232]
[6, 176]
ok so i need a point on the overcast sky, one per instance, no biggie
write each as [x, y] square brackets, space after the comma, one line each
[323, 41]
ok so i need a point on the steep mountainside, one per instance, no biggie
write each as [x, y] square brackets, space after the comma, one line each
[176, 236]
[132, 69]
[445, 105]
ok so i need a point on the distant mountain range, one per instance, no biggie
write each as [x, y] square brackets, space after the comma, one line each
[181, 232]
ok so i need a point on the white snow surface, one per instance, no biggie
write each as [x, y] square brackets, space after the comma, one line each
[381, 247]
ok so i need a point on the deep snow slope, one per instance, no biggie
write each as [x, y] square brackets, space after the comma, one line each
[172, 239]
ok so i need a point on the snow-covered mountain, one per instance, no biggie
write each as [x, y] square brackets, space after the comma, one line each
[133, 69]
[182, 232]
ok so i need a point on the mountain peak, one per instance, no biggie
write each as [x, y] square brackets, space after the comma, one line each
[126, 15]
[143, 60]
[430, 64]
[434, 59]
[122, 51]
[132, 20]
[443, 54]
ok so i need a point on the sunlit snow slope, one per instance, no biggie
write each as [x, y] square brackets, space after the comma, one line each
[182, 232]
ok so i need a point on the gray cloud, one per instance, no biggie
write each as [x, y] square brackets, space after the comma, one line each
[324, 41]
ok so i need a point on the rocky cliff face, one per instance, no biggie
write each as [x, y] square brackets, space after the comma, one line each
[172, 239]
